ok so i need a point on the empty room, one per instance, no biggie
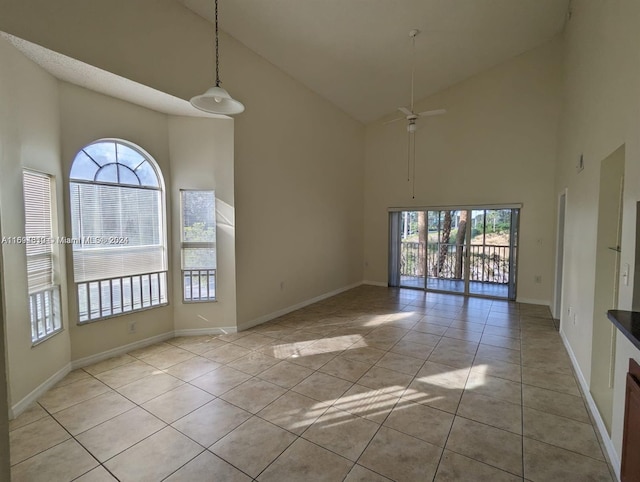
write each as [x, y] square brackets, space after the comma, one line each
[304, 240]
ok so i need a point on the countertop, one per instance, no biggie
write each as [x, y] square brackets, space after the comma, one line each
[629, 324]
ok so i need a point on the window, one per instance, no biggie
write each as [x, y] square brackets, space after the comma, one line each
[118, 227]
[198, 237]
[44, 294]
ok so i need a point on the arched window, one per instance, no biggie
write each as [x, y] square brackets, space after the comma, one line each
[118, 227]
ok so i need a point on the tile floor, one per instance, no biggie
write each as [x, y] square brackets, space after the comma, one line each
[374, 384]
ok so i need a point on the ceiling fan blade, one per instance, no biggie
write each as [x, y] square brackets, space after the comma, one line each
[429, 113]
[394, 120]
[405, 111]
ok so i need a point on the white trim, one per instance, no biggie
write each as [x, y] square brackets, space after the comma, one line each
[608, 444]
[40, 390]
[532, 301]
[270, 316]
[457, 207]
[556, 309]
[120, 350]
[375, 283]
[223, 330]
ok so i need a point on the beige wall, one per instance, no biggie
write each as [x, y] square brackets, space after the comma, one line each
[601, 113]
[496, 145]
[299, 188]
[85, 117]
[29, 138]
[201, 152]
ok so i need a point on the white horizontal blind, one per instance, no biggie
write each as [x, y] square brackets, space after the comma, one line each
[38, 230]
[117, 231]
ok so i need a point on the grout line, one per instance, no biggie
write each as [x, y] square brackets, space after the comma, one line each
[419, 308]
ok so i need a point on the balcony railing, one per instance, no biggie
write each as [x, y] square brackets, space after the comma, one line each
[487, 263]
[45, 313]
[199, 285]
[115, 296]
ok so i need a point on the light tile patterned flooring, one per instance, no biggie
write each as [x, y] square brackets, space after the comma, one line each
[370, 385]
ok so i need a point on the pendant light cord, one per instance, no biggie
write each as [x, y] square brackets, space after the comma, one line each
[217, 43]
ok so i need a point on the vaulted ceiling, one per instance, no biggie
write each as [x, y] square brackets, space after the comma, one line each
[357, 53]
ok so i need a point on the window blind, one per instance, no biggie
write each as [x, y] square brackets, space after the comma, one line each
[38, 230]
[117, 231]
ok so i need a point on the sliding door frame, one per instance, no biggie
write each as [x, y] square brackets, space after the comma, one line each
[514, 233]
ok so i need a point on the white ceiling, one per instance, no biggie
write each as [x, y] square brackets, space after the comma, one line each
[357, 53]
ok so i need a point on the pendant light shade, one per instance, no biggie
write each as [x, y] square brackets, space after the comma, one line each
[217, 100]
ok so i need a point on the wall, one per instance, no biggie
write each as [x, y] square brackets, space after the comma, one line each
[600, 114]
[299, 185]
[298, 159]
[495, 145]
[29, 138]
[85, 117]
[201, 152]
[4, 393]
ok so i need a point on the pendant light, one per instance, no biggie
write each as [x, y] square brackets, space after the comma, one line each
[216, 100]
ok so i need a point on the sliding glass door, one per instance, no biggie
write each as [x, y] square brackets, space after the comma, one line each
[470, 251]
[447, 264]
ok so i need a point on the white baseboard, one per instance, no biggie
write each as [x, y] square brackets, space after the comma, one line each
[206, 331]
[120, 350]
[532, 301]
[23, 404]
[608, 444]
[270, 316]
[375, 283]
[40, 390]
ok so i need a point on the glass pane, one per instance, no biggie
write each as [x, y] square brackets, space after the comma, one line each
[490, 252]
[198, 258]
[108, 173]
[446, 244]
[412, 249]
[147, 175]
[83, 167]
[102, 152]
[129, 157]
[127, 176]
[198, 217]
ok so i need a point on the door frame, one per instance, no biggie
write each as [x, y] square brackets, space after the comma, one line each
[559, 267]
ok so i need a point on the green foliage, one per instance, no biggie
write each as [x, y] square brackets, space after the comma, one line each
[199, 233]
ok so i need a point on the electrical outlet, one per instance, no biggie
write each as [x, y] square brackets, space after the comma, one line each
[132, 328]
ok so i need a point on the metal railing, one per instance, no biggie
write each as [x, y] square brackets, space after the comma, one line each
[487, 263]
[199, 285]
[116, 296]
[45, 313]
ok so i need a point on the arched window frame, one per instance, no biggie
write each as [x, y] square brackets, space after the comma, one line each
[117, 293]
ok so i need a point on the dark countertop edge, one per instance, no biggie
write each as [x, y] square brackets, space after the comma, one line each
[628, 322]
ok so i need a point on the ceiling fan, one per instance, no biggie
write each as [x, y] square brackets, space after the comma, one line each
[411, 116]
